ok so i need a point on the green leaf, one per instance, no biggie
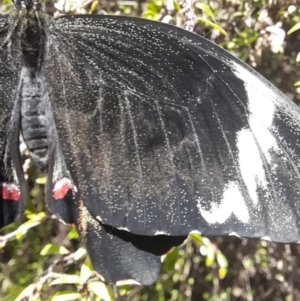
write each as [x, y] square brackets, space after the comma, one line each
[223, 263]
[25, 292]
[196, 238]
[51, 249]
[93, 7]
[86, 271]
[176, 5]
[222, 273]
[210, 255]
[294, 28]
[170, 260]
[36, 219]
[297, 84]
[101, 290]
[231, 45]
[149, 14]
[221, 259]
[209, 277]
[206, 9]
[15, 291]
[66, 296]
[72, 233]
[279, 277]
[79, 254]
[235, 15]
[247, 263]
[66, 278]
[41, 180]
[32, 216]
[213, 25]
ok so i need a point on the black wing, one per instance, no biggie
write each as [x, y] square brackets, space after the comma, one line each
[165, 132]
[13, 192]
[119, 256]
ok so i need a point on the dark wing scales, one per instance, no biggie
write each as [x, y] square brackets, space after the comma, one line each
[119, 256]
[163, 131]
[13, 192]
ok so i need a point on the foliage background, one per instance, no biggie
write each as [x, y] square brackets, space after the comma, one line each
[41, 259]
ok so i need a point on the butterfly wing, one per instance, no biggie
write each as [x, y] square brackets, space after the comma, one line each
[164, 132]
[119, 256]
[13, 192]
[111, 250]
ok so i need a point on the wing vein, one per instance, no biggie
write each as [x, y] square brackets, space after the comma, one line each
[138, 157]
[103, 144]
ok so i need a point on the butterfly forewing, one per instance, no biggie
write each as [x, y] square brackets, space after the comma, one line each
[145, 130]
[162, 131]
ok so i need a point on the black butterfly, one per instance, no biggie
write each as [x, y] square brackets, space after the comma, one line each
[146, 132]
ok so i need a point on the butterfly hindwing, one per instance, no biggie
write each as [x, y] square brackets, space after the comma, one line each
[111, 250]
[13, 192]
[119, 256]
[164, 132]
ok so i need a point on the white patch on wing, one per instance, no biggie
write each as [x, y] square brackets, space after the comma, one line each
[123, 229]
[195, 232]
[99, 218]
[160, 233]
[260, 95]
[231, 203]
[264, 138]
[250, 163]
[256, 145]
[127, 282]
[234, 234]
[267, 238]
[261, 106]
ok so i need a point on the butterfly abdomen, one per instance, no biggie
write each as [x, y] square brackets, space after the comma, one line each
[33, 120]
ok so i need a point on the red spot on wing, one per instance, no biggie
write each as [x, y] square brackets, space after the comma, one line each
[61, 188]
[9, 191]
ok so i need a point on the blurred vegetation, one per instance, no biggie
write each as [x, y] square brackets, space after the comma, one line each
[41, 259]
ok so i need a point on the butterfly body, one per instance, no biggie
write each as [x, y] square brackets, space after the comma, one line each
[146, 133]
